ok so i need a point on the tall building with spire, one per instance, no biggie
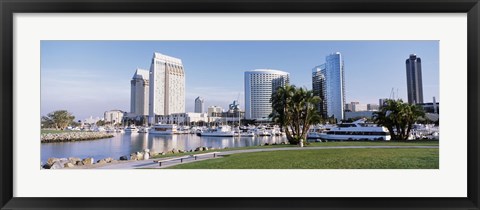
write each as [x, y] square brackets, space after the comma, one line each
[167, 87]
[414, 79]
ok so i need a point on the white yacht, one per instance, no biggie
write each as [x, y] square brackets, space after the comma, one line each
[163, 129]
[143, 129]
[262, 131]
[220, 131]
[315, 130]
[246, 134]
[357, 130]
[131, 129]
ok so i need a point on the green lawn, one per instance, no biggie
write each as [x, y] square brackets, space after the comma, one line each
[314, 144]
[324, 159]
[375, 143]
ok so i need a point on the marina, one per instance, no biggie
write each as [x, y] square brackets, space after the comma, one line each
[126, 143]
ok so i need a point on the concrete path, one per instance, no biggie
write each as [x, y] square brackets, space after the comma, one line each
[219, 154]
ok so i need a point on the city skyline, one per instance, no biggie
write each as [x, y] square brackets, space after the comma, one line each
[99, 72]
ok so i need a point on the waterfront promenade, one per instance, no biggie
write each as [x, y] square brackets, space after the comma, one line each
[150, 164]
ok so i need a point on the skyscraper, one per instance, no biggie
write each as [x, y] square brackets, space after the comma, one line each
[318, 88]
[328, 80]
[414, 79]
[199, 104]
[167, 86]
[139, 93]
[259, 85]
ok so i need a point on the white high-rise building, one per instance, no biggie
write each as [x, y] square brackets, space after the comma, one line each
[199, 105]
[167, 87]
[214, 111]
[259, 85]
[113, 117]
[139, 93]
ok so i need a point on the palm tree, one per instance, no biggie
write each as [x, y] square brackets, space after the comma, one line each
[295, 110]
[398, 117]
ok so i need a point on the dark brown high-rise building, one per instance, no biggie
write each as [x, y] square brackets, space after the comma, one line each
[414, 80]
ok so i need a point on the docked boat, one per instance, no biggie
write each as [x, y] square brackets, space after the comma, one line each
[131, 129]
[357, 130]
[143, 129]
[262, 131]
[220, 131]
[163, 129]
[246, 134]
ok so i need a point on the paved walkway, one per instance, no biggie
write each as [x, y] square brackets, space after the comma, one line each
[219, 154]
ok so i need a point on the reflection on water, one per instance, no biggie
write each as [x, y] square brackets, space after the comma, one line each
[125, 144]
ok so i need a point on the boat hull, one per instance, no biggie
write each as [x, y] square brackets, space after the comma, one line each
[353, 137]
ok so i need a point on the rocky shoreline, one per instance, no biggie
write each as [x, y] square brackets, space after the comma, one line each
[73, 136]
[73, 162]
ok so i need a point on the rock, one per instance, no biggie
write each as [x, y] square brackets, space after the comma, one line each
[88, 161]
[139, 155]
[108, 160]
[102, 161]
[124, 157]
[46, 166]
[174, 150]
[51, 161]
[205, 148]
[199, 149]
[69, 165]
[73, 160]
[146, 156]
[79, 163]
[163, 153]
[57, 165]
[133, 157]
[114, 161]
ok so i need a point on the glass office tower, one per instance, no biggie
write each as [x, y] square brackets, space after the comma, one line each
[335, 86]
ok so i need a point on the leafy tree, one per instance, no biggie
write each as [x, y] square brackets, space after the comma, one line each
[398, 117]
[100, 123]
[295, 110]
[58, 119]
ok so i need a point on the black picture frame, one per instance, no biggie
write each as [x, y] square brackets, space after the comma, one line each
[10, 7]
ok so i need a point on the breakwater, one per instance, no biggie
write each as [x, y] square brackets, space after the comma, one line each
[73, 136]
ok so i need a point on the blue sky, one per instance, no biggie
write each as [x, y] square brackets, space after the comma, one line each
[90, 77]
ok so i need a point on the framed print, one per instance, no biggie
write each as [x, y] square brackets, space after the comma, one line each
[239, 105]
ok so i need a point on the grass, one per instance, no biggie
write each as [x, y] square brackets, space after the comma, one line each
[313, 144]
[374, 143]
[220, 150]
[324, 159]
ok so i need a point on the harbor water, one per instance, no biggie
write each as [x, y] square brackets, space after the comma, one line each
[125, 144]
